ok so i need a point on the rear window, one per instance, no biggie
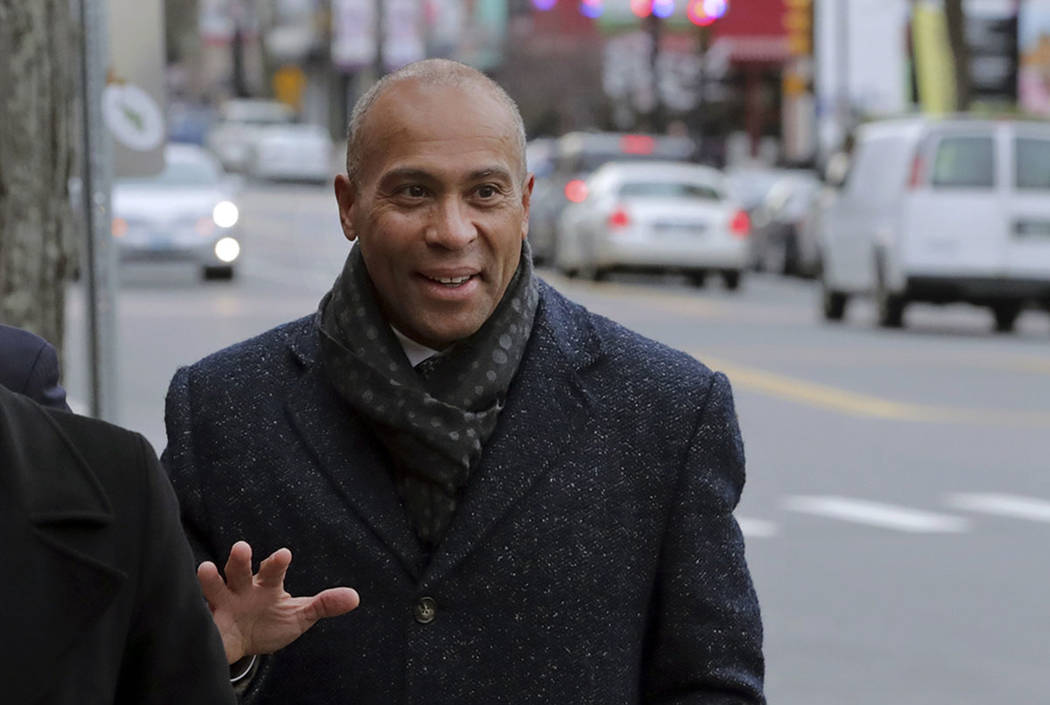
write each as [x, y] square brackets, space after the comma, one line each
[964, 162]
[669, 189]
[1033, 163]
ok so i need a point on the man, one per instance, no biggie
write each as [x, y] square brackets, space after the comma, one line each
[29, 366]
[535, 503]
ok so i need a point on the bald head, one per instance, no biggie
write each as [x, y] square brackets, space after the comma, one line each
[430, 73]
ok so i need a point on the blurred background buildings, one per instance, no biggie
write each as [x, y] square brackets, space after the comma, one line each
[783, 80]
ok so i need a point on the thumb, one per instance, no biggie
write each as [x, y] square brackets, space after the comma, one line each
[330, 603]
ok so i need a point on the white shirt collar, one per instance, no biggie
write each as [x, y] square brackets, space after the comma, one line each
[414, 351]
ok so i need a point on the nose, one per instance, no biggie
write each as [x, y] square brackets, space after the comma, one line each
[451, 227]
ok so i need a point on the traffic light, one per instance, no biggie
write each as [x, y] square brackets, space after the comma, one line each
[704, 12]
[798, 21]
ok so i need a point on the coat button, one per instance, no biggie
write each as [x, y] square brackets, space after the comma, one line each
[426, 610]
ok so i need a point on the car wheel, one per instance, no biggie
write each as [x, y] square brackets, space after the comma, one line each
[889, 307]
[833, 303]
[698, 278]
[1006, 314]
[731, 279]
[223, 273]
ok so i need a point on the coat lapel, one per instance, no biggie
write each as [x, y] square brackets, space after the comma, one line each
[348, 454]
[545, 406]
[51, 513]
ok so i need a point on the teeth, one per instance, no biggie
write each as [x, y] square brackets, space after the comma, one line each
[454, 281]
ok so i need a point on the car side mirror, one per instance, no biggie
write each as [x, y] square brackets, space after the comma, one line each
[836, 170]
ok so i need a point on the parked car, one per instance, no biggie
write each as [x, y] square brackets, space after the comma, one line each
[658, 216]
[187, 212]
[232, 139]
[777, 238]
[295, 152]
[941, 210]
[750, 183]
[576, 156]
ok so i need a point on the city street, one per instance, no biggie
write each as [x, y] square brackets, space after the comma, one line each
[897, 508]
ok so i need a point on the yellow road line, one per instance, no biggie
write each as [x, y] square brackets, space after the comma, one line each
[830, 398]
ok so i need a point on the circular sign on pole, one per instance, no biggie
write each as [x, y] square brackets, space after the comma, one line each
[132, 116]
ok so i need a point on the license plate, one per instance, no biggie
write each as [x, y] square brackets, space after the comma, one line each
[680, 229]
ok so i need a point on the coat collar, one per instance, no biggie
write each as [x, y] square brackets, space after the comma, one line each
[53, 511]
[546, 402]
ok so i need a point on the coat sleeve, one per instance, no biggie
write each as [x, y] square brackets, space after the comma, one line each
[174, 653]
[705, 643]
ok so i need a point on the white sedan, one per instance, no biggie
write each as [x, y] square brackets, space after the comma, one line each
[295, 152]
[653, 216]
[187, 212]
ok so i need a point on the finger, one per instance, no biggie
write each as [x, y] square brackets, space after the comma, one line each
[273, 569]
[239, 567]
[212, 585]
[329, 603]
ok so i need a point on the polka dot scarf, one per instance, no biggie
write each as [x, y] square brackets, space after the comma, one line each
[434, 419]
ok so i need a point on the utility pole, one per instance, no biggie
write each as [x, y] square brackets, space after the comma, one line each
[100, 257]
[656, 117]
[845, 103]
[378, 67]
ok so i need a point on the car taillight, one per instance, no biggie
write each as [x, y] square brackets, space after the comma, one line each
[619, 219]
[740, 224]
[918, 169]
[576, 191]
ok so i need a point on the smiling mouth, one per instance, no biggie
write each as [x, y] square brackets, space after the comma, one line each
[452, 281]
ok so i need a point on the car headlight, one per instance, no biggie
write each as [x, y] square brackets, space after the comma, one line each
[225, 214]
[227, 249]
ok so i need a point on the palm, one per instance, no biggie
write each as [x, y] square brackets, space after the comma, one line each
[253, 613]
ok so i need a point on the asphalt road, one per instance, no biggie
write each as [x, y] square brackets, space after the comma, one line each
[897, 510]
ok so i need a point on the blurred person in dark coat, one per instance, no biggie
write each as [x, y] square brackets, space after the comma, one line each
[98, 601]
[29, 366]
[535, 503]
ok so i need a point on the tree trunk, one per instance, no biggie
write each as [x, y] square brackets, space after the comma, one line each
[37, 244]
[955, 15]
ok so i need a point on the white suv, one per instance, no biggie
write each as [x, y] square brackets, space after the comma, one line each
[941, 210]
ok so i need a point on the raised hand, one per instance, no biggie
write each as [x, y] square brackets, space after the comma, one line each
[253, 612]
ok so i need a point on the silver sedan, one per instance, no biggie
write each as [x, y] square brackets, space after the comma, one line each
[653, 216]
[187, 212]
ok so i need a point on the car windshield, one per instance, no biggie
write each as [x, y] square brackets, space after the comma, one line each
[180, 173]
[669, 189]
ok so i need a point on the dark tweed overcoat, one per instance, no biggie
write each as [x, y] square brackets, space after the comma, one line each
[593, 558]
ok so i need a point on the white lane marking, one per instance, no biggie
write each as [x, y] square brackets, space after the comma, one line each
[756, 528]
[1006, 505]
[886, 516]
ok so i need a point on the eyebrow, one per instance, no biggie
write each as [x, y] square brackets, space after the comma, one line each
[412, 173]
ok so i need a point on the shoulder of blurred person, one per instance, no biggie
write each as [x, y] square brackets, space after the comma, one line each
[29, 366]
[101, 603]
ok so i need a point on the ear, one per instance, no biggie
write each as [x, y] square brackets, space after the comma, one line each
[346, 196]
[526, 200]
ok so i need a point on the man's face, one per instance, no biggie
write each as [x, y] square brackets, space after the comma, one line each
[439, 210]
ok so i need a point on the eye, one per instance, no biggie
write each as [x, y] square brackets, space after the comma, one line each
[414, 191]
[487, 191]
